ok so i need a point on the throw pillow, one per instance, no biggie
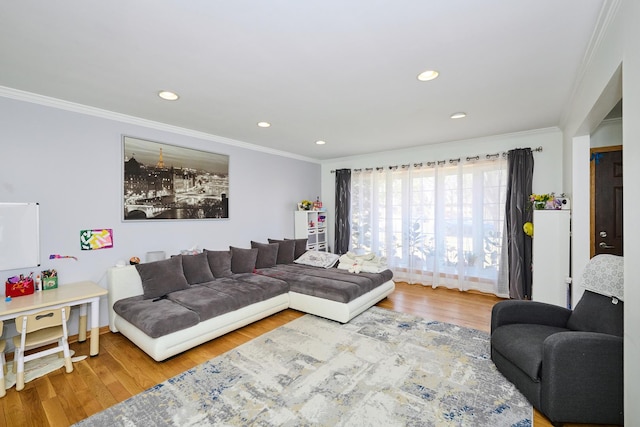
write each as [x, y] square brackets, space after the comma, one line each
[286, 250]
[219, 263]
[160, 278]
[300, 247]
[196, 268]
[318, 259]
[243, 260]
[267, 254]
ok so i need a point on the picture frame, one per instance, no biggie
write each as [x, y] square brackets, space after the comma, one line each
[163, 182]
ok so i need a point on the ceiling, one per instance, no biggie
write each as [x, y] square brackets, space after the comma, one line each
[333, 70]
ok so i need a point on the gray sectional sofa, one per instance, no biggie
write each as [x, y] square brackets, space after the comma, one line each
[166, 307]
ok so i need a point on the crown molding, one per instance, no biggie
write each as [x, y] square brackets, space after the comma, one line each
[607, 14]
[47, 101]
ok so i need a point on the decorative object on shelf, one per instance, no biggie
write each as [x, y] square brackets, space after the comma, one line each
[317, 205]
[167, 182]
[545, 201]
[96, 239]
[134, 260]
[305, 205]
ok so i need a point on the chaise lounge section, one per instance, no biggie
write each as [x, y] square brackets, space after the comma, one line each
[169, 306]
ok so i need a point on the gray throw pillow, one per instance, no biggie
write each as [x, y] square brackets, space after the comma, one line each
[160, 278]
[243, 260]
[286, 250]
[267, 254]
[196, 268]
[300, 247]
[219, 263]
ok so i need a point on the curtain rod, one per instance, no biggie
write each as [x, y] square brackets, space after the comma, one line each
[440, 162]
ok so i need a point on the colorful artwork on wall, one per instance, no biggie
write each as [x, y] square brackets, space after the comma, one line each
[96, 239]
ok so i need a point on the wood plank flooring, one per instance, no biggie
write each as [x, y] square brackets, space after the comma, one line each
[121, 370]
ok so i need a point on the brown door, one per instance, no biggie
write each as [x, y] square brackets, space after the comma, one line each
[606, 201]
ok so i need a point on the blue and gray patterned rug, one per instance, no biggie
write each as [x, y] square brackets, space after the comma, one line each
[381, 369]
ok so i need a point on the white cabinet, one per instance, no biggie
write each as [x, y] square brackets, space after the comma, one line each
[551, 256]
[312, 225]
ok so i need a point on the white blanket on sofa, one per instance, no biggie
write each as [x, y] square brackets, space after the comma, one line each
[367, 263]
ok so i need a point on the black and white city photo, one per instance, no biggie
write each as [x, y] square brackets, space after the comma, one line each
[167, 182]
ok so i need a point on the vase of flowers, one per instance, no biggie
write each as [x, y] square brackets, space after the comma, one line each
[544, 201]
[305, 205]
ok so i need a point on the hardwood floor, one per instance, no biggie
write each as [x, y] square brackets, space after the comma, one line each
[121, 370]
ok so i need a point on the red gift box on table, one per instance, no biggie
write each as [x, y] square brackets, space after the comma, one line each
[18, 289]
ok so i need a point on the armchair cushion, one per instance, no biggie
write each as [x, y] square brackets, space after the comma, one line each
[522, 344]
[516, 311]
[597, 313]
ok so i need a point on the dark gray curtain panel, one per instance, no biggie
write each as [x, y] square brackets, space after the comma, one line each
[518, 211]
[343, 211]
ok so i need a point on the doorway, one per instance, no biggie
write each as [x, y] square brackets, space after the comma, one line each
[606, 201]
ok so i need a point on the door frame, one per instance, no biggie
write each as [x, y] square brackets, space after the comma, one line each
[592, 191]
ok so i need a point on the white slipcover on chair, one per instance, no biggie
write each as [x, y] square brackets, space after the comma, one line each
[37, 330]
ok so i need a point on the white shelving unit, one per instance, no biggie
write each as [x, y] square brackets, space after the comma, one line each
[551, 256]
[312, 225]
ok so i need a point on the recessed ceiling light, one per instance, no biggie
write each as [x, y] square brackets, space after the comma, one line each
[168, 95]
[425, 76]
[264, 124]
[459, 115]
[321, 142]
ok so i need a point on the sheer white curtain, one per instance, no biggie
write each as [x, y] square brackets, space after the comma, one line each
[440, 224]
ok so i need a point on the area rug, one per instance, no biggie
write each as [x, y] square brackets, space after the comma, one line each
[37, 368]
[383, 368]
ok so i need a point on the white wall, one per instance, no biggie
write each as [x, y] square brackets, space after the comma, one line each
[547, 176]
[613, 72]
[608, 134]
[71, 163]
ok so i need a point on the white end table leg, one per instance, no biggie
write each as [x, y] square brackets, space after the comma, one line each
[82, 323]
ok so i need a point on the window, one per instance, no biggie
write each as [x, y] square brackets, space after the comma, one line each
[440, 225]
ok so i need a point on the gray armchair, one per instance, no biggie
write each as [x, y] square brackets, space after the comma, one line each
[568, 364]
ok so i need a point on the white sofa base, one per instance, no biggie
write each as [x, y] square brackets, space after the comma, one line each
[339, 311]
[169, 345]
[125, 282]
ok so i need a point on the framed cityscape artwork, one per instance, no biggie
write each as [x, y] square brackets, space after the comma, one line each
[167, 182]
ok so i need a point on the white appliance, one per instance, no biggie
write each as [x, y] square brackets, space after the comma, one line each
[551, 257]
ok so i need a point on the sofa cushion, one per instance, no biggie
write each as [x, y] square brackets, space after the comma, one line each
[286, 250]
[160, 278]
[522, 345]
[155, 318]
[331, 284]
[300, 247]
[206, 302]
[267, 254]
[246, 289]
[196, 268]
[243, 260]
[596, 313]
[219, 263]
